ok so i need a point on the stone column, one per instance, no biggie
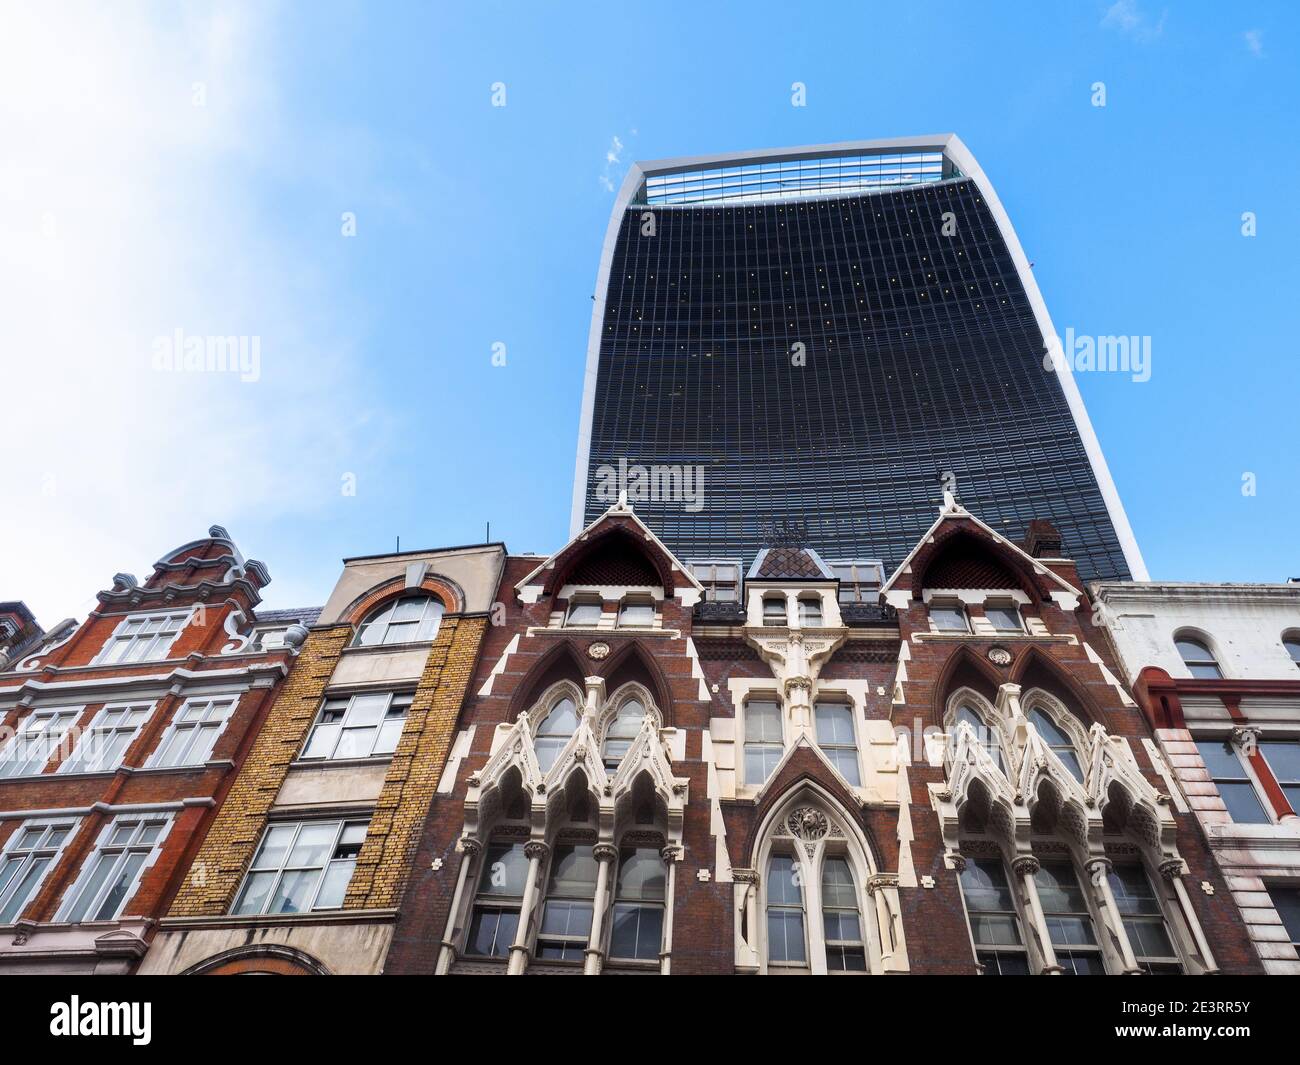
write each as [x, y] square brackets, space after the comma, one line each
[1172, 870]
[670, 855]
[470, 849]
[1098, 870]
[535, 850]
[594, 957]
[1025, 866]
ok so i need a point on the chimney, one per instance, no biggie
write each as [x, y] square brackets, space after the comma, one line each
[1043, 540]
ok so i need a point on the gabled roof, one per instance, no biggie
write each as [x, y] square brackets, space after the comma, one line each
[789, 563]
[619, 510]
[952, 511]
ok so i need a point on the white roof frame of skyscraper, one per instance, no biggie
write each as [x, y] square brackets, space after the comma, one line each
[960, 157]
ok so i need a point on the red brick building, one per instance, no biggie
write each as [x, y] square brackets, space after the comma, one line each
[119, 737]
[666, 766]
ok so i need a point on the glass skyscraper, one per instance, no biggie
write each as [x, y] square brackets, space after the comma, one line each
[816, 342]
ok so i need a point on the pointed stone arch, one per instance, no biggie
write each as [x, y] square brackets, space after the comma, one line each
[1035, 669]
[632, 664]
[606, 545]
[965, 668]
[562, 662]
[963, 556]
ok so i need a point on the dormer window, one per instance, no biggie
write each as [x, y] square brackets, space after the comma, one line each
[721, 580]
[810, 611]
[1003, 618]
[583, 613]
[774, 610]
[949, 618]
[860, 580]
[142, 638]
[636, 612]
[269, 639]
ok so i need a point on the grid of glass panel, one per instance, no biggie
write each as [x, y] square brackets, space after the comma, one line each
[1286, 900]
[621, 732]
[37, 738]
[27, 856]
[860, 580]
[554, 732]
[193, 732]
[1229, 775]
[764, 739]
[1058, 740]
[721, 580]
[413, 619]
[302, 866]
[921, 355]
[637, 928]
[359, 726]
[566, 914]
[786, 944]
[841, 920]
[113, 869]
[1144, 921]
[495, 920]
[1283, 758]
[836, 738]
[146, 638]
[104, 744]
[1069, 921]
[994, 924]
[785, 179]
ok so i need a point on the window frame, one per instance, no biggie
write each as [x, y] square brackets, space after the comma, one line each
[636, 600]
[946, 606]
[854, 584]
[1293, 933]
[175, 726]
[637, 903]
[1065, 952]
[765, 745]
[582, 600]
[621, 699]
[121, 854]
[1212, 660]
[994, 950]
[1246, 778]
[779, 852]
[844, 946]
[382, 613]
[565, 941]
[79, 761]
[23, 735]
[499, 904]
[810, 619]
[1008, 608]
[774, 619]
[42, 849]
[1161, 915]
[278, 872]
[840, 700]
[402, 697]
[120, 636]
[711, 581]
[551, 700]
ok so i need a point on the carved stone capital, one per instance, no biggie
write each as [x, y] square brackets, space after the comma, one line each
[470, 846]
[1171, 869]
[744, 876]
[1025, 865]
[671, 853]
[876, 881]
[536, 849]
[604, 852]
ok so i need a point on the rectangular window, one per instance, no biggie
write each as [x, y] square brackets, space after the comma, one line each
[994, 924]
[764, 739]
[302, 866]
[636, 613]
[721, 580]
[112, 872]
[1144, 921]
[1235, 786]
[495, 920]
[1069, 921]
[1283, 758]
[28, 855]
[786, 944]
[193, 732]
[837, 739]
[38, 737]
[949, 619]
[841, 921]
[566, 914]
[810, 611]
[584, 612]
[359, 726]
[1004, 618]
[637, 928]
[142, 638]
[104, 744]
[774, 610]
[1286, 900]
[860, 580]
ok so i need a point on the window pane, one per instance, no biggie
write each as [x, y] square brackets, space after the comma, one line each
[21, 892]
[274, 847]
[573, 872]
[837, 884]
[1004, 619]
[335, 886]
[783, 885]
[948, 619]
[834, 725]
[505, 870]
[1286, 900]
[123, 882]
[1243, 803]
[1283, 758]
[637, 932]
[293, 895]
[640, 874]
[492, 932]
[313, 844]
[785, 936]
[762, 722]
[1221, 760]
[255, 893]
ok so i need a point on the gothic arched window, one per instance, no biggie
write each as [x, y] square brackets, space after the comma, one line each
[621, 731]
[554, 730]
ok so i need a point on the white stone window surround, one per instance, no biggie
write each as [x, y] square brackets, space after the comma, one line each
[994, 722]
[185, 719]
[829, 694]
[606, 715]
[126, 719]
[1001, 725]
[14, 880]
[1235, 737]
[1206, 640]
[144, 646]
[37, 735]
[102, 846]
[764, 693]
[835, 836]
[964, 598]
[756, 591]
[600, 594]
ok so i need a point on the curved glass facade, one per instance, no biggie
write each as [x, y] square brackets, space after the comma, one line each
[825, 362]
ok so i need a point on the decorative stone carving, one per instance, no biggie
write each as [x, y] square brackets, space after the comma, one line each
[808, 824]
[598, 650]
[999, 656]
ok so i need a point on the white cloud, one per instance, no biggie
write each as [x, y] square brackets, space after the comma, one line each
[130, 210]
[613, 156]
[1130, 20]
[1255, 42]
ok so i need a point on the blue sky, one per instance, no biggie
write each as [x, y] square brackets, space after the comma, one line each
[139, 207]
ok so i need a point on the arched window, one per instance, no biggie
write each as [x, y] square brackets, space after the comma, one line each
[786, 944]
[1291, 642]
[566, 916]
[495, 918]
[774, 610]
[841, 919]
[621, 732]
[411, 619]
[1058, 740]
[810, 611]
[637, 928]
[1198, 658]
[553, 732]
[985, 734]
